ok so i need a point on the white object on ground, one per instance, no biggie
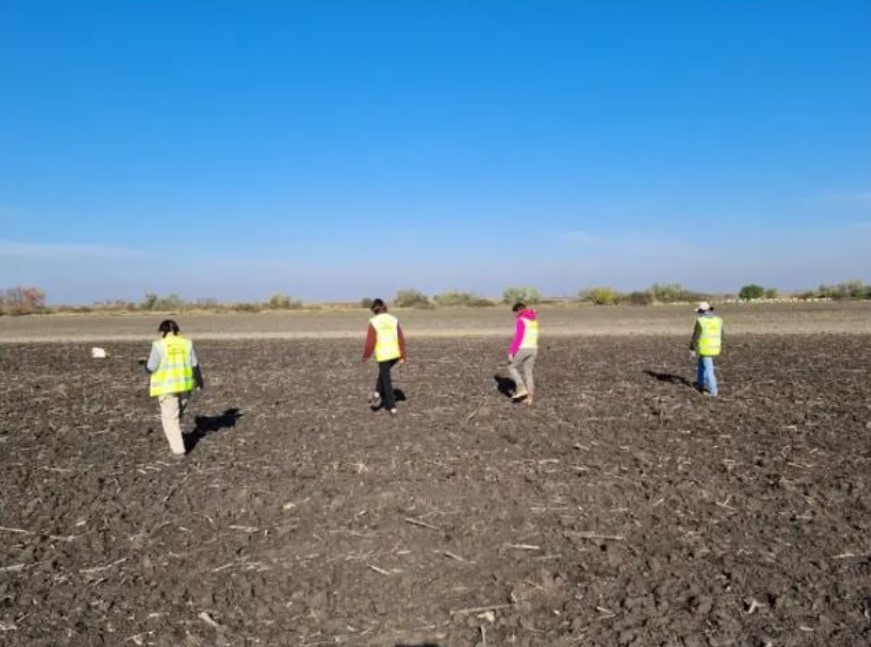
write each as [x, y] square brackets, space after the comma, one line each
[99, 353]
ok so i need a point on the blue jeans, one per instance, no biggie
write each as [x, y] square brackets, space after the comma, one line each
[705, 377]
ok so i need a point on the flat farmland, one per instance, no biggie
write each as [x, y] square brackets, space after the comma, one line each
[622, 509]
[783, 318]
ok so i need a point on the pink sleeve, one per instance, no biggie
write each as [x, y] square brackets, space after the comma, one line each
[518, 336]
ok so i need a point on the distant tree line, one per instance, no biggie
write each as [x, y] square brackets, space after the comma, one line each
[854, 289]
[412, 298]
[29, 300]
[675, 293]
[656, 293]
[173, 302]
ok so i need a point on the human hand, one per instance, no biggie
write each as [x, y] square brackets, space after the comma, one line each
[692, 354]
[401, 361]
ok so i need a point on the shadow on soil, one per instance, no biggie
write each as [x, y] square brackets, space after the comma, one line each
[206, 425]
[671, 378]
[505, 385]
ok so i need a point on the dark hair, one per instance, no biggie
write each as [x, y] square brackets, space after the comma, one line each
[518, 307]
[168, 326]
[378, 306]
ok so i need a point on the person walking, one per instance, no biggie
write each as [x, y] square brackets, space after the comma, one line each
[175, 372]
[384, 338]
[705, 345]
[523, 352]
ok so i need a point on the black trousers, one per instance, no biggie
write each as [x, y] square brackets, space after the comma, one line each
[384, 385]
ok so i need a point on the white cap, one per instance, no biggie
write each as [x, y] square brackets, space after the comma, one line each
[704, 306]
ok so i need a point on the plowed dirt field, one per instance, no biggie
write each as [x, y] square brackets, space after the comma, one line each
[622, 509]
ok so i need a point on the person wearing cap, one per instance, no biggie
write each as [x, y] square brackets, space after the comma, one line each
[175, 372]
[385, 340]
[705, 345]
[523, 352]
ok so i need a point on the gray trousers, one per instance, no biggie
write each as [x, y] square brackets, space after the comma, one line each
[524, 358]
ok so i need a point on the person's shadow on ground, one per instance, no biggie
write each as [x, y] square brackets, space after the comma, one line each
[204, 425]
[671, 378]
[505, 385]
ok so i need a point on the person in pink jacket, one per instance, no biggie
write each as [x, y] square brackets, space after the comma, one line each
[523, 352]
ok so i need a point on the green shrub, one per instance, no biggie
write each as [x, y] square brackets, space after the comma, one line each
[600, 296]
[468, 299]
[771, 293]
[668, 292]
[149, 302]
[854, 289]
[639, 298]
[366, 302]
[246, 307]
[527, 295]
[154, 302]
[283, 302]
[751, 292]
[411, 298]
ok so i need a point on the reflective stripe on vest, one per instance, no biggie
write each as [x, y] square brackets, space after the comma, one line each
[387, 337]
[530, 334]
[175, 373]
[710, 341]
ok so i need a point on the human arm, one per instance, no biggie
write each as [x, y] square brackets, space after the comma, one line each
[369, 347]
[519, 331]
[697, 332]
[153, 362]
[199, 382]
[401, 343]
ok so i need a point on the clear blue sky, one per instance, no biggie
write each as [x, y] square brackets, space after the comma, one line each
[336, 149]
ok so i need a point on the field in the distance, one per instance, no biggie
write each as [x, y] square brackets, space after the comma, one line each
[623, 509]
[810, 317]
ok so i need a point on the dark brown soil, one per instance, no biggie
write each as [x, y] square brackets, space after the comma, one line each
[622, 509]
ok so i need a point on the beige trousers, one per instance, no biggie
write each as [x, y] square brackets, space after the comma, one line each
[172, 407]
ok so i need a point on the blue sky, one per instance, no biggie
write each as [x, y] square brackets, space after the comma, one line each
[335, 149]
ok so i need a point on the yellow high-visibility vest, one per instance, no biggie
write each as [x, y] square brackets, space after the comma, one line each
[711, 339]
[387, 337]
[175, 373]
[530, 334]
